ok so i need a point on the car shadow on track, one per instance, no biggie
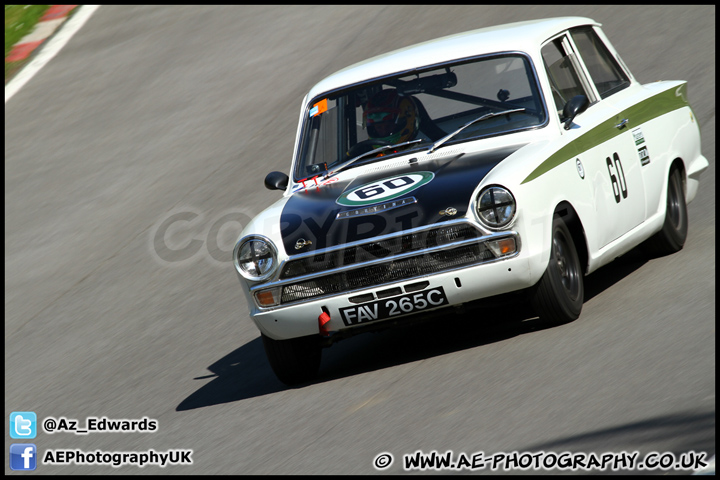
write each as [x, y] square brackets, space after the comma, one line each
[607, 276]
[245, 372]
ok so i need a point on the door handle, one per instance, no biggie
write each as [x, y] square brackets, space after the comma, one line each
[622, 124]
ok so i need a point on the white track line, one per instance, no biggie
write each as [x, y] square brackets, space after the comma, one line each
[50, 49]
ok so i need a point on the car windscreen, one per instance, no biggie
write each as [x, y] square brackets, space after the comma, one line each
[422, 108]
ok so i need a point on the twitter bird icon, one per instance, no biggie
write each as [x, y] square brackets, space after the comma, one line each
[23, 425]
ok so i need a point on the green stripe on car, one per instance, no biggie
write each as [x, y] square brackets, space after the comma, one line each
[644, 111]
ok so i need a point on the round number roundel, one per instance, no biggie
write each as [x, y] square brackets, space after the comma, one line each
[384, 189]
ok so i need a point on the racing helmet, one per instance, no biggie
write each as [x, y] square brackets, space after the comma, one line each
[391, 117]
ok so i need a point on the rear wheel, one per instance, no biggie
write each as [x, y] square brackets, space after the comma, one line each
[558, 296]
[672, 237]
[294, 361]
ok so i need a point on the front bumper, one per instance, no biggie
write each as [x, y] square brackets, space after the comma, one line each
[460, 286]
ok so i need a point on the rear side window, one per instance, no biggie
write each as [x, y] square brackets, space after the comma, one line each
[606, 74]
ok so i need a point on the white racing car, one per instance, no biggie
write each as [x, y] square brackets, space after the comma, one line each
[516, 158]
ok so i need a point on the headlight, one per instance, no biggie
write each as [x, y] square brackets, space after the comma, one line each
[255, 258]
[495, 207]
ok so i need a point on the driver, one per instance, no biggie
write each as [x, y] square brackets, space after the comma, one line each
[391, 118]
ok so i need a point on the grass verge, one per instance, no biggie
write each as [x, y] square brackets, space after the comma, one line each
[19, 21]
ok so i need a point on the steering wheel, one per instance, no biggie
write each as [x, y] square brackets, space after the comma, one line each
[366, 146]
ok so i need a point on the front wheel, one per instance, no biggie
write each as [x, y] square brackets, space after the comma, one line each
[294, 361]
[558, 296]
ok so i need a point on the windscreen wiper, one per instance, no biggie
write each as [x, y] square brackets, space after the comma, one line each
[479, 119]
[381, 148]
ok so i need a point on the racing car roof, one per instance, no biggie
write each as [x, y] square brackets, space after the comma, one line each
[520, 36]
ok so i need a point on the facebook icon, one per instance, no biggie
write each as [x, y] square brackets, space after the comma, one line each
[23, 456]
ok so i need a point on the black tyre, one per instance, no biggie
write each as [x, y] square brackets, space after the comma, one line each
[558, 296]
[294, 361]
[672, 237]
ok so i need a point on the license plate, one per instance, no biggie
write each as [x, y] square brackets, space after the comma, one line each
[391, 307]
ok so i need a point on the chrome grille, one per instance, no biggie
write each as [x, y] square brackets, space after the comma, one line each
[384, 248]
[387, 272]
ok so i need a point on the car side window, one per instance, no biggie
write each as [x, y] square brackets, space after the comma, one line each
[564, 79]
[606, 74]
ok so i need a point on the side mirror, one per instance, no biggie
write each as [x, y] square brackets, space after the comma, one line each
[573, 108]
[276, 181]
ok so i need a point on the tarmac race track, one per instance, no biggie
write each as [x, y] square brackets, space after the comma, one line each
[157, 116]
